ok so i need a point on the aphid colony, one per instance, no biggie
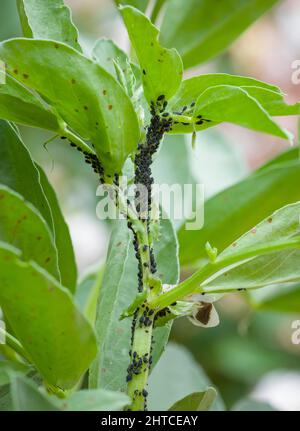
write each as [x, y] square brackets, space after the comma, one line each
[158, 126]
[187, 110]
[90, 159]
[138, 365]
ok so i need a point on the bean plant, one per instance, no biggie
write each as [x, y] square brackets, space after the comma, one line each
[116, 109]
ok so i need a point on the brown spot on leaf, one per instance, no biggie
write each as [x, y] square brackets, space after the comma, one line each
[110, 107]
[56, 45]
[104, 92]
[270, 220]
[48, 260]
[16, 71]
[39, 238]
[73, 81]
[25, 76]
[86, 108]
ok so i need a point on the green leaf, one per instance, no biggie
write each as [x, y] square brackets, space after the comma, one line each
[139, 4]
[48, 19]
[176, 376]
[96, 400]
[119, 288]
[282, 299]
[26, 396]
[268, 96]
[200, 31]
[87, 292]
[97, 108]
[21, 174]
[111, 333]
[165, 171]
[6, 367]
[22, 226]
[273, 102]
[250, 405]
[197, 401]
[261, 270]
[63, 242]
[226, 103]
[110, 56]
[216, 162]
[57, 338]
[282, 225]
[5, 399]
[18, 172]
[161, 67]
[240, 207]
[19, 104]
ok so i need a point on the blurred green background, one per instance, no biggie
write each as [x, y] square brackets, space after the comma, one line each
[250, 352]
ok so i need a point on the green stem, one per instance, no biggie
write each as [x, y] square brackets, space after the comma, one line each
[141, 355]
[14, 344]
[76, 140]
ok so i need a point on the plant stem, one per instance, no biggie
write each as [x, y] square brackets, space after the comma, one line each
[143, 321]
[141, 355]
[14, 344]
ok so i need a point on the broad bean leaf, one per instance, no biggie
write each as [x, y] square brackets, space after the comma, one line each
[57, 338]
[109, 330]
[172, 167]
[63, 241]
[197, 401]
[6, 367]
[19, 104]
[22, 226]
[282, 299]
[26, 396]
[266, 269]
[226, 103]
[96, 106]
[273, 102]
[172, 380]
[113, 59]
[15, 160]
[278, 298]
[161, 67]
[200, 30]
[95, 400]
[190, 89]
[237, 209]
[87, 292]
[48, 19]
[268, 96]
[5, 399]
[118, 291]
[139, 4]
